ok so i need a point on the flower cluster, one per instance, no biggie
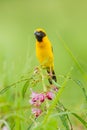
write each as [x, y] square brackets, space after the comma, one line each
[38, 98]
[36, 111]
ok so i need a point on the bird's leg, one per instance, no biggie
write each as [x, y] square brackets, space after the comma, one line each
[52, 75]
[49, 71]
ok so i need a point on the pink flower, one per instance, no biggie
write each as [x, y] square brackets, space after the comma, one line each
[4, 128]
[34, 96]
[41, 97]
[34, 99]
[50, 95]
[37, 99]
[36, 112]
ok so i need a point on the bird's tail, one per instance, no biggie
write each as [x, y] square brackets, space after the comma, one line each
[52, 76]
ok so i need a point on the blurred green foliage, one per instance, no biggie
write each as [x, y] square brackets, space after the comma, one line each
[19, 19]
[65, 18]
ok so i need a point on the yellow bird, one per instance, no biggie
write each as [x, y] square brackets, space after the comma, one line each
[44, 53]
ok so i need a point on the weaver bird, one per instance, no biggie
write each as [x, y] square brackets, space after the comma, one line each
[44, 53]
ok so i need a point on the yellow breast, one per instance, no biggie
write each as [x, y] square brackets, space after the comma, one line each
[44, 53]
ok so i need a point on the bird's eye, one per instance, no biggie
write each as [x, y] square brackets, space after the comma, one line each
[42, 34]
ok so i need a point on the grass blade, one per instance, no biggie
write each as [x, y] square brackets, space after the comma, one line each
[64, 116]
[73, 58]
[80, 119]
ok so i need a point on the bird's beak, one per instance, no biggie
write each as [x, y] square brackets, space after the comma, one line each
[36, 33]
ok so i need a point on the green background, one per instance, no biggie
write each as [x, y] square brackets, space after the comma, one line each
[65, 18]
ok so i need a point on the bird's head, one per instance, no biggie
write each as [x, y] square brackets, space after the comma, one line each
[39, 34]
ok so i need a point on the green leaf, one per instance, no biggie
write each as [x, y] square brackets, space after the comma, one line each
[25, 88]
[80, 119]
[65, 121]
[4, 89]
[79, 83]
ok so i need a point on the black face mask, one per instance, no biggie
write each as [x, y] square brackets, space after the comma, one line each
[39, 35]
